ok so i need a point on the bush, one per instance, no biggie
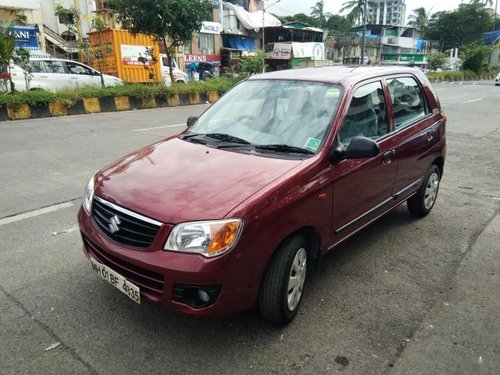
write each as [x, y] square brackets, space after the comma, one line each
[70, 96]
[473, 56]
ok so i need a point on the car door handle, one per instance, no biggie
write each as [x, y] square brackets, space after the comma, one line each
[44, 76]
[74, 77]
[389, 154]
[430, 135]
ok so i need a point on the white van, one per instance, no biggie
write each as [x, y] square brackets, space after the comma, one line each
[179, 75]
[56, 74]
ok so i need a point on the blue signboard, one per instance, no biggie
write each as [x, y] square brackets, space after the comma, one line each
[25, 36]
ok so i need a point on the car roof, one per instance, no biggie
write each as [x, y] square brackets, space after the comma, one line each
[346, 75]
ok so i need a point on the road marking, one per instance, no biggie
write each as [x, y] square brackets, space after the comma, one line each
[472, 101]
[72, 229]
[159, 127]
[34, 213]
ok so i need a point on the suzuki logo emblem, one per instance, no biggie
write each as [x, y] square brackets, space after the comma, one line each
[113, 225]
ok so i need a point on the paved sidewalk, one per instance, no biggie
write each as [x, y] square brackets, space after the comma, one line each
[462, 332]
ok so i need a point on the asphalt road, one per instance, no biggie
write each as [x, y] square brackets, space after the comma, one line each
[403, 296]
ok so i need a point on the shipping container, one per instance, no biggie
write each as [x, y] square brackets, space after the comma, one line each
[131, 58]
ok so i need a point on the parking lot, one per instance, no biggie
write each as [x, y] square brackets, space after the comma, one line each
[403, 296]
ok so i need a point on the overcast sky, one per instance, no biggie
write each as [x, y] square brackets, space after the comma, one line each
[289, 7]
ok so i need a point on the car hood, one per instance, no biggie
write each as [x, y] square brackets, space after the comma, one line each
[176, 181]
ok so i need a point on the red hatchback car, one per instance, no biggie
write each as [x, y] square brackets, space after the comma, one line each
[238, 209]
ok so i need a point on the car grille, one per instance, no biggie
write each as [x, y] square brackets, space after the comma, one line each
[133, 229]
[149, 282]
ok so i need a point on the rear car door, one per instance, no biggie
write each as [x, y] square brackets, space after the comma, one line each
[53, 75]
[417, 129]
[363, 187]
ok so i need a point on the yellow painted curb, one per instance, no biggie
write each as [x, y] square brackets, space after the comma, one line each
[58, 108]
[122, 103]
[149, 102]
[173, 100]
[213, 96]
[194, 99]
[91, 105]
[21, 112]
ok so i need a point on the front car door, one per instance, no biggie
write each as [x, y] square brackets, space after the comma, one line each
[363, 187]
[82, 75]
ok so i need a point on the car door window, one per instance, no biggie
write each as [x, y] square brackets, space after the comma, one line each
[35, 67]
[75, 68]
[407, 100]
[54, 67]
[366, 116]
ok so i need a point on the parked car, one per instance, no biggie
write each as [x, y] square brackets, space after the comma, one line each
[497, 80]
[56, 74]
[287, 165]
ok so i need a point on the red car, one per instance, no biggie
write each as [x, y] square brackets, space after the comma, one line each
[237, 210]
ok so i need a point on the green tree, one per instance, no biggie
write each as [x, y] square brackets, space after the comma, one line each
[9, 53]
[436, 60]
[337, 24]
[419, 18]
[465, 25]
[100, 51]
[483, 2]
[355, 9]
[69, 17]
[170, 22]
[474, 56]
[318, 12]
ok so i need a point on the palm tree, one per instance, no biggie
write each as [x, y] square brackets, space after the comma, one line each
[318, 11]
[484, 2]
[419, 18]
[355, 9]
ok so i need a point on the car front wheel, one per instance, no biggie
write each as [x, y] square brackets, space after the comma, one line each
[421, 203]
[283, 283]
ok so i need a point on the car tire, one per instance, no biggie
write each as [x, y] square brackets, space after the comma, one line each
[422, 203]
[282, 287]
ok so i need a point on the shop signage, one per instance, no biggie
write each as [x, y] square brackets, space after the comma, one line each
[316, 51]
[25, 36]
[281, 51]
[193, 58]
[211, 27]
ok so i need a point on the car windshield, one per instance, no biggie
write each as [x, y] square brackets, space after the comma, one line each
[270, 116]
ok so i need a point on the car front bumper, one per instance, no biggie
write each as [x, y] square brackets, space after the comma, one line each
[231, 279]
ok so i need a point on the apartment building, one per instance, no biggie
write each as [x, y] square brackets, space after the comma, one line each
[387, 12]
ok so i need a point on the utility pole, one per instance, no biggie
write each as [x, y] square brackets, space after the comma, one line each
[495, 16]
[363, 41]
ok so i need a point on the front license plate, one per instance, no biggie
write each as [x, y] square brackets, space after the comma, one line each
[116, 280]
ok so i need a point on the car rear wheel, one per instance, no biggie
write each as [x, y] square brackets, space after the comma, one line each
[421, 203]
[281, 290]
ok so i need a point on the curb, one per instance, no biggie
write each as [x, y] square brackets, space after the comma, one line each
[106, 104]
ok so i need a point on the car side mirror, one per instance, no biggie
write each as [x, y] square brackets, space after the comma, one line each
[191, 120]
[359, 148]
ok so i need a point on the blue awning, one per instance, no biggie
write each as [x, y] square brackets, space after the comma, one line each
[491, 37]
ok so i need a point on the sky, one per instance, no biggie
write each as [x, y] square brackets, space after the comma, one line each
[289, 7]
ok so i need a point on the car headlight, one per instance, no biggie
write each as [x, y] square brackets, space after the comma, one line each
[89, 196]
[208, 238]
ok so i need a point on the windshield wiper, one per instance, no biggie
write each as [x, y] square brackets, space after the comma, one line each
[220, 137]
[284, 148]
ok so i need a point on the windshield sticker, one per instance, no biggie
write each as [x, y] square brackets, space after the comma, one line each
[312, 144]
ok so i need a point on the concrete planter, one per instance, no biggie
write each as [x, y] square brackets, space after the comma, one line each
[122, 103]
[213, 96]
[173, 100]
[194, 98]
[91, 105]
[21, 112]
[58, 108]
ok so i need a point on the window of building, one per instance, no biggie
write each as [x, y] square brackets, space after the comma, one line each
[206, 44]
